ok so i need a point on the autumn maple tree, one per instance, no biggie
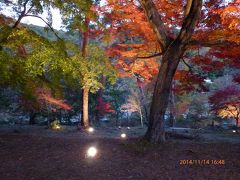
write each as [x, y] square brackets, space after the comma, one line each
[195, 33]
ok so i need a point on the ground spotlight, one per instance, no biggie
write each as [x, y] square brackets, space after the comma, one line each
[91, 129]
[123, 135]
[91, 152]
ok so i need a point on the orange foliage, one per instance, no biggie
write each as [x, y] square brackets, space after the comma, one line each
[147, 69]
[133, 37]
[44, 97]
[226, 102]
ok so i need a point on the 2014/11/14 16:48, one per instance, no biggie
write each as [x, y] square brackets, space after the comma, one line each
[201, 162]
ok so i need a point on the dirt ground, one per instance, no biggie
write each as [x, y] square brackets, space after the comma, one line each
[33, 152]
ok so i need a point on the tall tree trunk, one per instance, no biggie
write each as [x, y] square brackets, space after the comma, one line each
[171, 119]
[32, 118]
[143, 101]
[85, 91]
[237, 121]
[172, 51]
[170, 61]
[85, 39]
[213, 123]
[85, 120]
[238, 117]
[141, 117]
[237, 125]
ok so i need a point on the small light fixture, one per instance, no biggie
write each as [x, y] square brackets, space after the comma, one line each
[123, 135]
[91, 129]
[91, 152]
[234, 131]
[57, 127]
[128, 128]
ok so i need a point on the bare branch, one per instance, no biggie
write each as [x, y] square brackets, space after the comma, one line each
[23, 13]
[51, 28]
[29, 10]
[25, 6]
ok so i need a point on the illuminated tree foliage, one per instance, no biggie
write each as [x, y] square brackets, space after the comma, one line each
[226, 103]
[81, 16]
[134, 105]
[103, 107]
[89, 70]
[29, 61]
[202, 36]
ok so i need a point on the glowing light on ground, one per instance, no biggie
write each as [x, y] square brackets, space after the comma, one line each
[123, 135]
[90, 129]
[91, 152]
[57, 127]
[128, 128]
[234, 131]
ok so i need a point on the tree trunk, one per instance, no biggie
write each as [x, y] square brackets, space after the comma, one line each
[118, 122]
[32, 118]
[85, 39]
[85, 120]
[237, 129]
[170, 61]
[213, 123]
[143, 102]
[141, 117]
[171, 119]
[172, 51]
[85, 97]
[85, 91]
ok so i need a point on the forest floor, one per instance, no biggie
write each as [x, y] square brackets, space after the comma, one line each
[34, 152]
